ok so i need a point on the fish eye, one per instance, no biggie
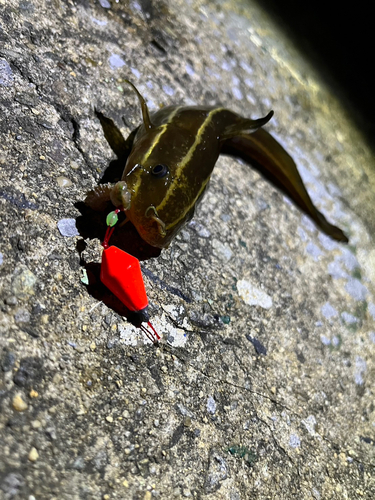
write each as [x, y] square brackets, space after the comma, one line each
[160, 170]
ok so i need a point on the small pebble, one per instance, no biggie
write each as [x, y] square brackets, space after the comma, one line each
[109, 418]
[105, 4]
[187, 421]
[294, 441]
[67, 227]
[6, 74]
[18, 403]
[51, 433]
[44, 319]
[111, 343]
[125, 483]
[8, 361]
[33, 394]
[252, 295]
[33, 455]
[11, 301]
[22, 316]
[23, 283]
[79, 463]
[84, 277]
[63, 182]
[74, 165]
[116, 61]
[147, 496]
[211, 405]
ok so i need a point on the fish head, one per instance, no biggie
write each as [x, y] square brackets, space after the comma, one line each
[150, 177]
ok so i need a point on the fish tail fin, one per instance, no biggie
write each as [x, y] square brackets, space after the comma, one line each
[262, 151]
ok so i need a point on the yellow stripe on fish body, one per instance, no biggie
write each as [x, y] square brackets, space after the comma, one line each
[184, 166]
[191, 173]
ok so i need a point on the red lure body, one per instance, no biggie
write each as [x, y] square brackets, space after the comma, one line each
[121, 274]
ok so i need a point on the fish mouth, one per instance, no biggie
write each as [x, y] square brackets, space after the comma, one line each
[121, 196]
[155, 217]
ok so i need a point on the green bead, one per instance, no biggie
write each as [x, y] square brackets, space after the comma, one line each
[112, 219]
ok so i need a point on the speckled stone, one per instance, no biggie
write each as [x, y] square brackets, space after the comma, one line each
[19, 404]
[23, 282]
[33, 455]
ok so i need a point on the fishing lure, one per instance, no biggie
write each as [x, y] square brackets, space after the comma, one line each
[170, 160]
[121, 273]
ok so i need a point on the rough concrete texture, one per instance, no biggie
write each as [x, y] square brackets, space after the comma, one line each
[263, 386]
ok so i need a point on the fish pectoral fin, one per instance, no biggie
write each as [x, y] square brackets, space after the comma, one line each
[245, 125]
[98, 197]
[273, 162]
[114, 137]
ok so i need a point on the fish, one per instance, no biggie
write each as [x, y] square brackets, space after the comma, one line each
[170, 158]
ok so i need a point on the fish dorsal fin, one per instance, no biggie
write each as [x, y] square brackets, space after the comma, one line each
[145, 114]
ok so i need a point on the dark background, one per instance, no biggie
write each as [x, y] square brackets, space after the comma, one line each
[339, 38]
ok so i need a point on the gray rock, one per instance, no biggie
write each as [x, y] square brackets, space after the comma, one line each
[7, 361]
[22, 316]
[6, 74]
[23, 282]
[218, 471]
[67, 227]
[11, 301]
[256, 304]
[29, 373]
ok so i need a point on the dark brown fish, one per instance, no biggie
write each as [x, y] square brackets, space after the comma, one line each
[171, 158]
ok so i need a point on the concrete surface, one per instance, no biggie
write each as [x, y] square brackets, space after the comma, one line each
[263, 386]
